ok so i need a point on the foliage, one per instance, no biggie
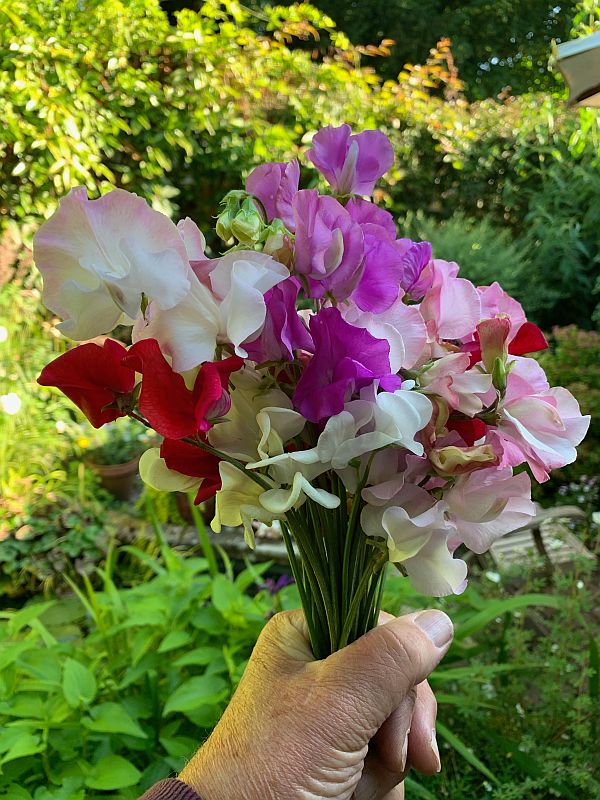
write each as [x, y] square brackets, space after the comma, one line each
[485, 252]
[496, 44]
[64, 532]
[116, 96]
[517, 693]
[113, 688]
[104, 692]
[119, 443]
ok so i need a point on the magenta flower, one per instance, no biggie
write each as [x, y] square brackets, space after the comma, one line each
[275, 185]
[365, 212]
[283, 331]
[346, 360]
[351, 163]
[329, 244]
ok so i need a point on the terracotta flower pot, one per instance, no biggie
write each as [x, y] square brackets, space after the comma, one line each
[117, 479]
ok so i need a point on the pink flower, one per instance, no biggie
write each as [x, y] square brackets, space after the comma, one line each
[276, 185]
[451, 307]
[538, 424]
[329, 245]
[451, 379]
[350, 163]
[488, 503]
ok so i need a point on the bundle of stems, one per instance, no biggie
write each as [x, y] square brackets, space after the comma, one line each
[339, 572]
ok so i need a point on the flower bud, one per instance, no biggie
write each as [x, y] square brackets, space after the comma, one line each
[247, 225]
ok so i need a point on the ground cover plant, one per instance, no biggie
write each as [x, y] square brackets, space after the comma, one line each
[106, 691]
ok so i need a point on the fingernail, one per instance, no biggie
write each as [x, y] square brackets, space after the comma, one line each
[435, 751]
[404, 753]
[436, 625]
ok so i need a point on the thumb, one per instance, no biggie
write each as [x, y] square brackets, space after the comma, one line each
[376, 672]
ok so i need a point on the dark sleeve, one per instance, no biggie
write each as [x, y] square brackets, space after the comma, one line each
[170, 789]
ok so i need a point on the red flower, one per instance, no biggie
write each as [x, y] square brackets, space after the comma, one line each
[92, 376]
[528, 339]
[471, 430]
[191, 460]
[169, 406]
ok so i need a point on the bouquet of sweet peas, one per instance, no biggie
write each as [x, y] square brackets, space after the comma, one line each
[321, 372]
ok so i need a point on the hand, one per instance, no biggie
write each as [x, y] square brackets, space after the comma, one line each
[300, 729]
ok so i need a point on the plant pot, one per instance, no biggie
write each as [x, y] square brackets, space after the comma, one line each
[118, 479]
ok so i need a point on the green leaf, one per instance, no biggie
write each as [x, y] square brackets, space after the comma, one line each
[79, 684]
[465, 752]
[417, 790]
[12, 650]
[201, 656]
[27, 614]
[112, 772]
[196, 692]
[174, 640]
[27, 744]
[500, 607]
[477, 672]
[112, 718]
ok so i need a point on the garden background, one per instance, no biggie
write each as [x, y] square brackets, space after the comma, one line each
[122, 636]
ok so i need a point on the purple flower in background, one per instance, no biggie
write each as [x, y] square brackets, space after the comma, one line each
[346, 360]
[275, 185]
[329, 244]
[283, 331]
[275, 586]
[351, 163]
[416, 278]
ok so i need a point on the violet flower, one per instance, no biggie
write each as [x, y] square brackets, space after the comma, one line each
[283, 331]
[275, 185]
[351, 163]
[346, 360]
[329, 245]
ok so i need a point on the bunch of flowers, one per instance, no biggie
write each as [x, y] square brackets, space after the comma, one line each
[323, 373]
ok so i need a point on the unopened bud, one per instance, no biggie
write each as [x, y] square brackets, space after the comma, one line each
[499, 374]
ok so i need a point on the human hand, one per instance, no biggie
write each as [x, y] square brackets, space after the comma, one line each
[300, 729]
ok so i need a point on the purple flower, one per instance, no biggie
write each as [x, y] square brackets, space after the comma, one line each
[350, 163]
[329, 244]
[274, 586]
[416, 279]
[275, 185]
[346, 360]
[364, 212]
[379, 285]
[283, 331]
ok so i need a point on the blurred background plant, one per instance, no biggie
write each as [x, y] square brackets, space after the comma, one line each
[129, 660]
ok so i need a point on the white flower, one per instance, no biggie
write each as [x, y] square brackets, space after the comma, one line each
[11, 403]
[238, 502]
[154, 472]
[225, 304]
[97, 257]
[246, 432]
[3, 334]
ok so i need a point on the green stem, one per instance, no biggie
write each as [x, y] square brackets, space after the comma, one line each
[374, 567]
[205, 543]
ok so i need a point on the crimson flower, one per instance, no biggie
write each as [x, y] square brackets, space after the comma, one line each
[528, 339]
[93, 377]
[170, 407]
[191, 460]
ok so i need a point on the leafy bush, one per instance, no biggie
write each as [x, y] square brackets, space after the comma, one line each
[485, 252]
[107, 691]
[115, 688]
